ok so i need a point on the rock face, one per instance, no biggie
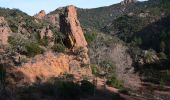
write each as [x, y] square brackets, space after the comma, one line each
[125, 2]
[54, 20]
[47, 33]
[4, 31]
[40, 15]
[70, 25]
[42, 67]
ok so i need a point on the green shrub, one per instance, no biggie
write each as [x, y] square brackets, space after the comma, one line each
[24, 46]
[18, 43]
[59, 48]
[14, 28]
[33, 49]
[44, 41]
[90, 37]
[94, 69]
[113, 81]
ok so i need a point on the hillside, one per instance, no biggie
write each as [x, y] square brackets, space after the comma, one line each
[117, 52]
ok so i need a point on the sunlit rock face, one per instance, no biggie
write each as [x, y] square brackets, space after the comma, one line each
[70, 25]
[40, 15]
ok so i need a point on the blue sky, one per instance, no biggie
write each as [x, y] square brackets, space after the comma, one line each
[32, 7]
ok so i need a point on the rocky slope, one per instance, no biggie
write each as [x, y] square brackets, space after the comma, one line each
[50, 45]
[43, 67]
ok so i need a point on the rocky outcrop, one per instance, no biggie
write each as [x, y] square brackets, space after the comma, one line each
[70, 26]
[54, 19]
[40, 15]
[126, 2]
[46, 33]
[4, 31]
[43, 67]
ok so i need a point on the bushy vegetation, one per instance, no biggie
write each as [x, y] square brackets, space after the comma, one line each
[59, 48]
[62, 90]
[22, 45]
[33, 49]
[90, 37]
[113, 81]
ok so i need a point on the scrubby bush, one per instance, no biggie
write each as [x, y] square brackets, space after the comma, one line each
[94, 69]
[90, 37]
[24, 46]
[33, 49]
[59, 48]
[113, 81]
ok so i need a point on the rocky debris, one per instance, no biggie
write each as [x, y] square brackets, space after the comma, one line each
[40, 15]
[70, 25]
[4, 31]
[126, 2]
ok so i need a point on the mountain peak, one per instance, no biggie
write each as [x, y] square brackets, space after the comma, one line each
[41, 14]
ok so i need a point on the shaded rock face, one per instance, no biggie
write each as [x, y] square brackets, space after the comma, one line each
[4, 31]
[70, 25]
[40, 15]
[126, 2]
